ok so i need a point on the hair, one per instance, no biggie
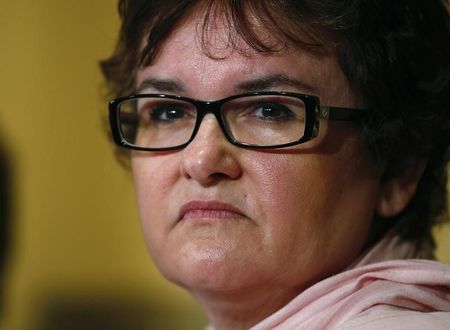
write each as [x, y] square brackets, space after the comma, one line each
[395, 55]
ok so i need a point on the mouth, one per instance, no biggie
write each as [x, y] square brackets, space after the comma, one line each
[206, 211]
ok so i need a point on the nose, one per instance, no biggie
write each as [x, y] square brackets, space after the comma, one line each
[210, 158]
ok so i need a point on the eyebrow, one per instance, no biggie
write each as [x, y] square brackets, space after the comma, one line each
[271, 81]
[162, 85]
[254, 85]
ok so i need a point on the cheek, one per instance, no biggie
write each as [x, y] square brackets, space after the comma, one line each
[277, 185]
[306, 200]
[154, 178]
[282, 199]
[152, 175]
[285, 185]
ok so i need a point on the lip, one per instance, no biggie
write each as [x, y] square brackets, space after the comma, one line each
[211, 210]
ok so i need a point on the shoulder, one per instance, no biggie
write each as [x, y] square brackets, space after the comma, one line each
[390, 317]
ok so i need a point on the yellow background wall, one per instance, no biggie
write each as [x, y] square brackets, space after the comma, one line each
[76, 251]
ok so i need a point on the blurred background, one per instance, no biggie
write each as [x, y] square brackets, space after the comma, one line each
[75, 257]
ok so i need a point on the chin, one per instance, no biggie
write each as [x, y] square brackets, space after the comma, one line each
[209, 269]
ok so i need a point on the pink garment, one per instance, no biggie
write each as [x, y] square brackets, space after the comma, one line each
[374, 294]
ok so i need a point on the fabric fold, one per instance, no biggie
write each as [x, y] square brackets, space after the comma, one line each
[419, 285]
[383, 276]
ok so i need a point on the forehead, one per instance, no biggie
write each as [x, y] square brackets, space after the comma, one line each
[246, 33]
[214, 56]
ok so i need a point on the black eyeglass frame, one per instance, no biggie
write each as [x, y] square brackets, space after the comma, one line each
[314, 112]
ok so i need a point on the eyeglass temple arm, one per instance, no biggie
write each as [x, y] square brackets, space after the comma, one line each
[338, 113]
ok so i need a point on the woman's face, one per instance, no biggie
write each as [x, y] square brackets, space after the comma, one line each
[218, 218]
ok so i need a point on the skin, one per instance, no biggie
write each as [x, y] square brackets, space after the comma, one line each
[298, 215]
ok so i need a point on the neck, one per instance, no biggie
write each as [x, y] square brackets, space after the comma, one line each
[242, 310]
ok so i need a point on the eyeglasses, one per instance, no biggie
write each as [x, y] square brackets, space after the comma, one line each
[261, 120]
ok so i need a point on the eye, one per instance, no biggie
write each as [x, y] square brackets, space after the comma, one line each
[167, 112]
[155, 112]
[271, 111]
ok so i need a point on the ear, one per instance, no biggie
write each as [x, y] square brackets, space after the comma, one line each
[395, 193]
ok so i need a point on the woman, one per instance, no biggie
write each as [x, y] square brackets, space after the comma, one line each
[287, 155]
